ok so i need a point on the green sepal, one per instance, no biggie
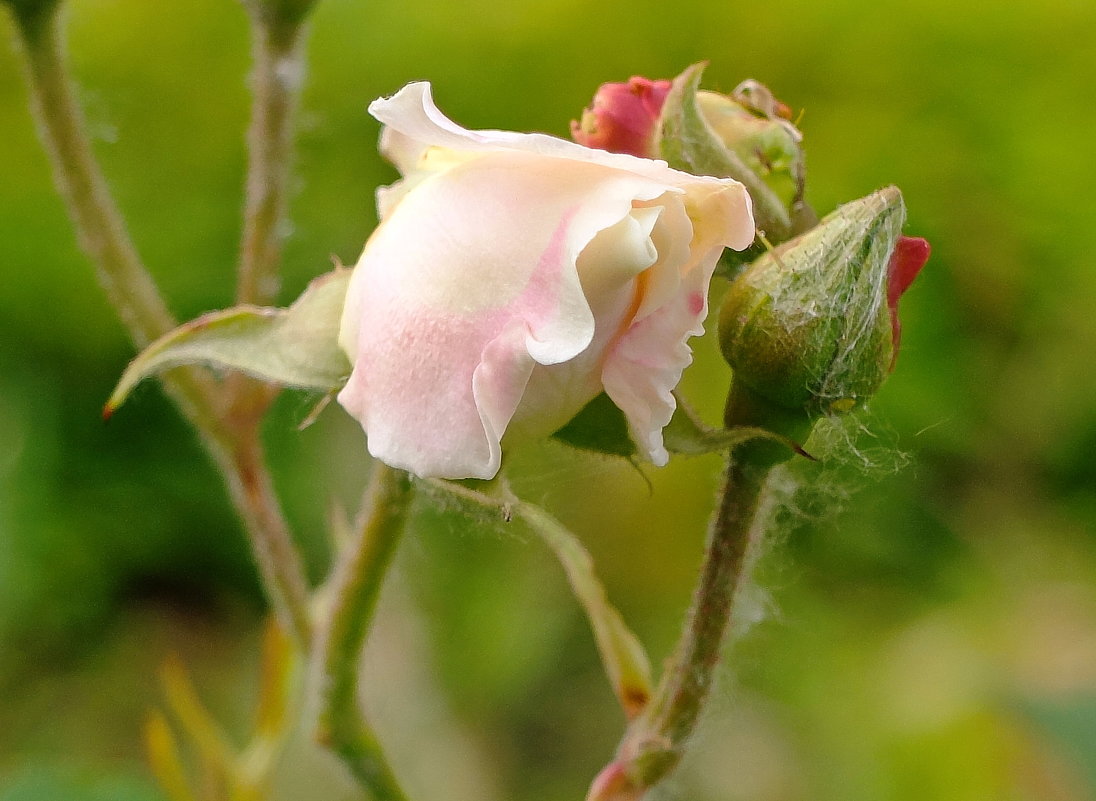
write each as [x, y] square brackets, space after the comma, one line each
[600, 427]
[688, 435]
[688, 143]
[295, 347]
[623, 657]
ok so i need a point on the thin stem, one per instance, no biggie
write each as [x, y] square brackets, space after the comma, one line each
[276, 555]
[230, 439]
[653, 745]
[98, 222]
[342, 724]
[97, 219]
[277, 77]
[673, 712]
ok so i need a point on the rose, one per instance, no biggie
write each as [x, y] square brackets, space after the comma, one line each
[513, 278]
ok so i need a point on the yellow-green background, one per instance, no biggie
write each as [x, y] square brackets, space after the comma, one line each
[927, 631]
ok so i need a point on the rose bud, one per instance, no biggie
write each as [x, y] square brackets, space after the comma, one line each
[812, 326]
[515, 277]
[623, 118]
[752, 123]
[745, 135]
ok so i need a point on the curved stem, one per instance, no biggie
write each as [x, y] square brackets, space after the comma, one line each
[98, 221]
[277, 77]
[230, 439]
[342, 724]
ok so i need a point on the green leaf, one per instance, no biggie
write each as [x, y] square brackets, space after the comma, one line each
[599, 427]
[688, 143]
[295, 347]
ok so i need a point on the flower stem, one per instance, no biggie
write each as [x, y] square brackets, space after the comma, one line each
[654, 744]
[277, 77]
[276, 555]
[230, 439]
[98, 222]
[342, 724]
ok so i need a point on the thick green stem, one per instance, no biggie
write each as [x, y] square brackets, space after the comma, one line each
[276, 78]
[342, 724]
[230, 439]
[672, 714]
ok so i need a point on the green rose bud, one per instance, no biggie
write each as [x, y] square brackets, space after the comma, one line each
[811, 326]
[753, 124]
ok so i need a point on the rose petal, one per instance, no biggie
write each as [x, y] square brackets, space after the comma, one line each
[515, 275]
[414, 125]
[646, 364]
[439, 366]
[608, 267]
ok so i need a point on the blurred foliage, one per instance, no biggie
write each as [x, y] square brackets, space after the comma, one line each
[932, 635]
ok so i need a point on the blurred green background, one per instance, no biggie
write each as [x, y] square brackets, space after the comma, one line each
[924, 625]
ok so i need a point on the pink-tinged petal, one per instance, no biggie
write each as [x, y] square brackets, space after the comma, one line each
[672, 239]
[515, 276]
[414, 125]
[910, 255]
[498, 384]
[646, 364]
[722, 217]
[469, 282]
[608, 268]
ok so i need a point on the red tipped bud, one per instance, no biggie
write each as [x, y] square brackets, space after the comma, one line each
[812, 326]
[623, 118]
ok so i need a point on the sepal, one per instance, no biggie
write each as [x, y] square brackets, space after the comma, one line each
[294, 347]
[688, 142]
[601, 428]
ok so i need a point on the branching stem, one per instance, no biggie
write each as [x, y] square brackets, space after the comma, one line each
[231, 439]
[342, 724]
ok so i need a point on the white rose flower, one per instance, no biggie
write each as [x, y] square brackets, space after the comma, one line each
[513, 278]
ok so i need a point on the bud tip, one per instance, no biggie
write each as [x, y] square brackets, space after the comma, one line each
[910, 255]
